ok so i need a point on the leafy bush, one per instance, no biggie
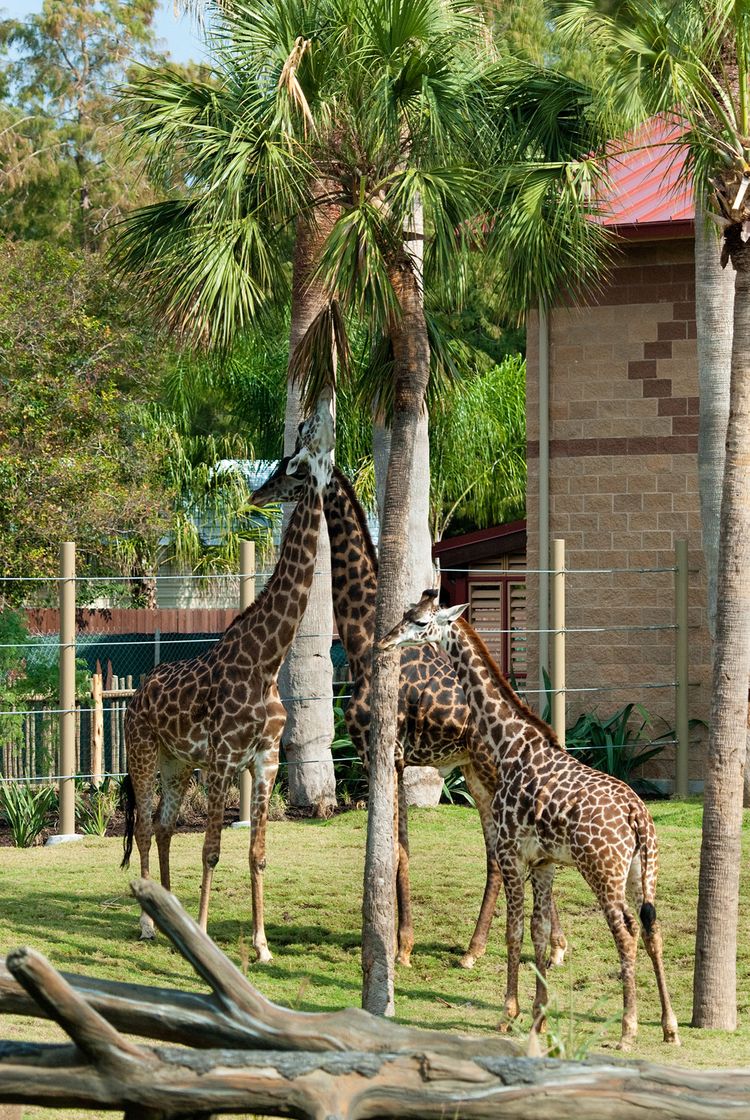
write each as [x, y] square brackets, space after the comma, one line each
[351, 782]
[455, 789]
[27, 810]
[96, 805]
[615, 746]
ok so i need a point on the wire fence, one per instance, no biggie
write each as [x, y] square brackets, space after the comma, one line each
[116, 647]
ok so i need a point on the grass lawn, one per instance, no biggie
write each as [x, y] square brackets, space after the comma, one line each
[72, 903]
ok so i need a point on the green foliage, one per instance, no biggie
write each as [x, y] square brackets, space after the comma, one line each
[77, 360]
[455, 789]
[96, 805]
[65, 176]
[478, 449]
[27, 810]
[351, 782]
[615, 745]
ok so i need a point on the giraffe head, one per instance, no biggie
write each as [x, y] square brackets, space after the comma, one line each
[280, 486]
[311, 457]
[425, 622]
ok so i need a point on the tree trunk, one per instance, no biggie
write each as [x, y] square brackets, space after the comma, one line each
[714, 313]
[715, 988]
[411, 370]
[306, 677]
[714, 308]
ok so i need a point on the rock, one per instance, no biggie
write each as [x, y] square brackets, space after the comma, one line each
[423, 786]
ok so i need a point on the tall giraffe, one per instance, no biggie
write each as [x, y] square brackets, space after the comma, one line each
[222, 711]
[550, 808]
[434, 724]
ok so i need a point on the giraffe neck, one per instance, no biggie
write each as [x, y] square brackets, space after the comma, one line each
[268, 627]
[354, 573]
[495, 706]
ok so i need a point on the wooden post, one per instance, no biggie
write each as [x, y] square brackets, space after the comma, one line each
[97, 726]
[682, 661]
[557, 587]
[67, 693]
[247, 596]
[114, 724]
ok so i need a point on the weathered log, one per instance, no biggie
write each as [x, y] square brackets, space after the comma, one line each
[340, 1066]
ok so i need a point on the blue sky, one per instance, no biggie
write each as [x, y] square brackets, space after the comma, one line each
[178, 35]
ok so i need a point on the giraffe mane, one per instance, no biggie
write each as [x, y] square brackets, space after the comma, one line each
[265, 590]
[359, 514]
[507, 690]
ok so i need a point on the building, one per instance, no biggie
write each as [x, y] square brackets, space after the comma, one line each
[612, 415]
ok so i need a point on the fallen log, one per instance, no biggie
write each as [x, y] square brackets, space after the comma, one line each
[344, 1065]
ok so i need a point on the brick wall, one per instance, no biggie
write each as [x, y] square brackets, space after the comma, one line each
[624, 479]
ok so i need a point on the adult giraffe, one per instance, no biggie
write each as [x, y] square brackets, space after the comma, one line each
[434, 724]
[550, 808]
[222, 711]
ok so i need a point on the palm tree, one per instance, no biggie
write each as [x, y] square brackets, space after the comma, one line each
[692, 60]
[338, 119]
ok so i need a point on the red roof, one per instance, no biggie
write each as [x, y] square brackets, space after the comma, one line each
[646, 194]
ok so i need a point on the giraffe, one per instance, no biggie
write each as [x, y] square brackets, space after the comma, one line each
[222, 711]
[550, 808]
[434, 724]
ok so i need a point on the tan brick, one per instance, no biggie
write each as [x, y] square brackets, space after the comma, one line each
[641, 483]
[637, 522]
[597, 503]
[656, 539]
[676, 522]
[631, 503]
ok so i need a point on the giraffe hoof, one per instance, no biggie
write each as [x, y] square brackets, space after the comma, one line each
[404, 960]
[557, 958]
[265, 956]
[147, 935]
[505, 1027]
[468, 960]
[625, 1044]
[672, 1038]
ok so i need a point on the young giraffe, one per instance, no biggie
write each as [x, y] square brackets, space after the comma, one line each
[434, 723]
[222, 711]
[550, 808]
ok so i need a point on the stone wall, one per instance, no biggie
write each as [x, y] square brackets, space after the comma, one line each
[624, 481]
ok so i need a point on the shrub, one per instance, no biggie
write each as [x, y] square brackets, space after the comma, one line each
[27, 810]
[96, 805]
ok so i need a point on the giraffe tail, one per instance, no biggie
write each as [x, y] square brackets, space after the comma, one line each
[127, 804]
[647, 849]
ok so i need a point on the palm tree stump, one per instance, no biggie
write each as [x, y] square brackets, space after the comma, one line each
[239, 1052]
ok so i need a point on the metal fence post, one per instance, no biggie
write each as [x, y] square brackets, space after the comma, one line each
[557, 625]
[247, 596]
[67, 693]
[682, 728]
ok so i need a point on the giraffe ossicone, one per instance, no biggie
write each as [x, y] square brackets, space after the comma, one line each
[550, 808]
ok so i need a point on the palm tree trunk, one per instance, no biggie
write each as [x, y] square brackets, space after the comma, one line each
[714, 312]
[411, 369]
[715, 982]
[306, 677]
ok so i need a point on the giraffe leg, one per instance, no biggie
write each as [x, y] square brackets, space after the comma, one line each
[513, 873]
[403, 889]
[175, 776]
[653, 943]
[558, 942]
[610, 892]
[494, 880]
[142, 755]
[265, 766]
[542, 879]
[217, 784]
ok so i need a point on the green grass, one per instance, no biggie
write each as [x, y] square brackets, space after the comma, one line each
[72, 903]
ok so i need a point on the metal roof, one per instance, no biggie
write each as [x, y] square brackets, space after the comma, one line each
[646, 194]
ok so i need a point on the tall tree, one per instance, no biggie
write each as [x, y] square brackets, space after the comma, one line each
[692, 60]
[378, 107]
[63, 175]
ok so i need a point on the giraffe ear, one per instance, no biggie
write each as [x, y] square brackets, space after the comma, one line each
[450, 614]
[301, 459]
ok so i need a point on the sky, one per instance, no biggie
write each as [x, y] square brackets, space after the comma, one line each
[177, 34]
